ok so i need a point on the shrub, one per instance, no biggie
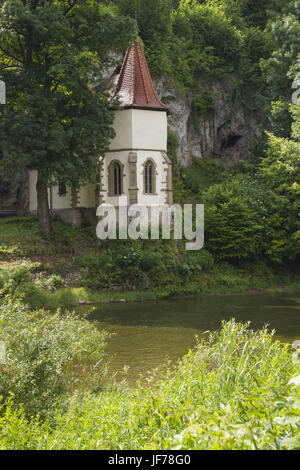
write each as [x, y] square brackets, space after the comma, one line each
[203, 173]
[232, 231]
[16, 282]
[200, 260]
[55, 281]
[203, 103]
[232, 392]
[246, 218]
[173, 144]
[47, 356]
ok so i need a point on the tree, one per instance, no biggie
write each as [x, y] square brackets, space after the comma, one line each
[284, 32]
[280, 170]
[55, 120]
[153, 19]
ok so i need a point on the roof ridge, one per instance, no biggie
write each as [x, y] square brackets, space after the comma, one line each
[142, 73]
[133, 77]
[121, 76]
[151, 82]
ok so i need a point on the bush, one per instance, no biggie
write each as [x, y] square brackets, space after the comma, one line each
[200, 260]
[55, 281]
[246, 218]
[232, 392]
[112, 265]
[203, 103]
[232, 230]
[173, 144]
[203, 41]
[203, 173]
[16, 282]
[47, 356]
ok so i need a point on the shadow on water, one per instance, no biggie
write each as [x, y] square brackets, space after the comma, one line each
[148, 332]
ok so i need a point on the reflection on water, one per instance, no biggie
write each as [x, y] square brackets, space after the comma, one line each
[148, 332]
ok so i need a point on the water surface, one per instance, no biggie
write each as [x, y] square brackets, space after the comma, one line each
[148, 332]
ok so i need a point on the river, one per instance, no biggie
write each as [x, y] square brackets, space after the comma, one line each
[148, 332]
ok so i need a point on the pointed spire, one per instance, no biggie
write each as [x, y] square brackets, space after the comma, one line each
[134, 85]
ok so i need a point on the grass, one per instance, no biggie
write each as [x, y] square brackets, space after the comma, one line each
[234, 391]
[71, 296]
[21, 238]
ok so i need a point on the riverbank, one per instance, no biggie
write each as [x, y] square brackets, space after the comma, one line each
[70, 267]
[72, 296]
[223, 395]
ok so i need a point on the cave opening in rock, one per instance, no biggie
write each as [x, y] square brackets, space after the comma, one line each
[230, 141]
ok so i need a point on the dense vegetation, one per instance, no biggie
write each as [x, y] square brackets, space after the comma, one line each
[235, 391]
[49, 355]
[253, 211]
[55, 121]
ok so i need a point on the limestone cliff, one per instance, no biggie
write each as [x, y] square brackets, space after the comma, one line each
[13, 193]
[222, 131]
[220, 127]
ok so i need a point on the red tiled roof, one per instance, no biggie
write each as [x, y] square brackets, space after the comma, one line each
[134, 85]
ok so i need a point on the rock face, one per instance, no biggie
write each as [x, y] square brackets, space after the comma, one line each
[224, 132]
[13, 192]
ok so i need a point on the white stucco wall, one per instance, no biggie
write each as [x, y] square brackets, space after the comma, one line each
[123, 129]
[86, 196]
[56, 202]
[122, 157]
[149, 129]
[160, 196]
[32, 180]
[60, 202]
[140, 129]
[142, 156]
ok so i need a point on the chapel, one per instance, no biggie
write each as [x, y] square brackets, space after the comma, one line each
[136, 165]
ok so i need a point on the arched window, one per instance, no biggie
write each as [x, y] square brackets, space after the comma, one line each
[149, 177]
[62, 189]
[115, 179]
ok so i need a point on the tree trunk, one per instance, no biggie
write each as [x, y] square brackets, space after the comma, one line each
[43, 205]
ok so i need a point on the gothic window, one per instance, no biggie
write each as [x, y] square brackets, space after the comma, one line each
[62, 189]
[149, 177]
[115, 179]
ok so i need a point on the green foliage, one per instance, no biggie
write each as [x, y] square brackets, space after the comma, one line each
[55, 120]
[156, 264]
[280, 68]
[249, 212]
[203, 173]
[231, 227]
[248, 217]
[48, 355]
[154, 23]
[173, 144]
[280, 118]
[16, 282]
[200, 260]
[281, 166]
[231, 392]
[203, 103]
[281, 171]
[204, 41]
